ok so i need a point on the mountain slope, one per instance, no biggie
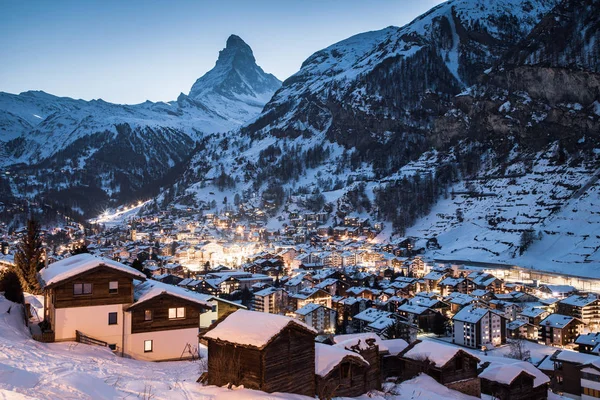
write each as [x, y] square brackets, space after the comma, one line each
[385, 87]
[55, 144]
[533, 126]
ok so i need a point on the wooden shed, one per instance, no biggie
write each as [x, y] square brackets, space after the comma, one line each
[340, 372]
[261, 351]
[514, 380]
[450, 366]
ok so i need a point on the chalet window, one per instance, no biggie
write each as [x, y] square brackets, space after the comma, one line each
[175, 313]
[147, 315]
[112, 318]
[82, 288]
[214, 308]
[113, 287]
[147, 346]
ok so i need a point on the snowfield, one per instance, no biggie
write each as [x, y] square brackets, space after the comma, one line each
[29, 369]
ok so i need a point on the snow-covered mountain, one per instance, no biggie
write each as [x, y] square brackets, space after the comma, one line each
[56, 144]
[236, 86]
[386, 86]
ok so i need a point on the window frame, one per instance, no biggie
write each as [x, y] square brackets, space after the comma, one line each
[151, 346]
[177, 313]
[148, 312]
[116, 315]
[83, 287]
[115, 290]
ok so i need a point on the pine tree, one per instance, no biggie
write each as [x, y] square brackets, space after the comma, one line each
[28, 259]
[11, 286]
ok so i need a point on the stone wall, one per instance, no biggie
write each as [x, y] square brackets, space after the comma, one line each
[471, 387]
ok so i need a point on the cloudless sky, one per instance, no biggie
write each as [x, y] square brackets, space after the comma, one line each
[129, 51]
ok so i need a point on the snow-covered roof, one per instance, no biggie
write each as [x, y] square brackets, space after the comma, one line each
[350, 340]
[308, 308]
[328, 357]
[251, 328]
[575, 357]
[556, 320]
[506, 372]
[590, 339]
[382, 323]
[579, 301]
[78, 264]
[438, 353]
[147, 290]
[516, 324]
[395, 346]
[267, 292]
[532, 312]
[371, 314]
[412, 309]
[560, 288]
[470, 314]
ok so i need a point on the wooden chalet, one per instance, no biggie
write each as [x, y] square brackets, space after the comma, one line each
[261, 351]
[514, 380]
[88, 294]
[340, 372]
[450, 366]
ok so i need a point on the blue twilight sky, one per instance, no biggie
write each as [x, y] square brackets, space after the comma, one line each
[129, 51]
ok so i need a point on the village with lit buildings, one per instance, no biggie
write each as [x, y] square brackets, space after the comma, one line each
[336, 281]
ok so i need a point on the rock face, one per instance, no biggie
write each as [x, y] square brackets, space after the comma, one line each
[544, 89]
[59, 145]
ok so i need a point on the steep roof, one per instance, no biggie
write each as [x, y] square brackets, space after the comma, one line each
[438, 353]
[557, 321]
[470, 314]
[328, 357]
[80, 263]
[253, 329]
[506, 372]
[150, 289]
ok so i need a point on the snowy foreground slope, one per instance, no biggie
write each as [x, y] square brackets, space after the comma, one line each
[29, 369]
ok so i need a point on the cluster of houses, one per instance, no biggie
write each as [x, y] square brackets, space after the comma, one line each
[332, 331]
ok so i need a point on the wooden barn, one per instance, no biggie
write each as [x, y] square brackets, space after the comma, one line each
[514, 380]
[340, 372]
[450, 366]
[261, 351]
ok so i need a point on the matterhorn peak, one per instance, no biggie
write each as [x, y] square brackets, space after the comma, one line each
[236, 42]
[236, 75]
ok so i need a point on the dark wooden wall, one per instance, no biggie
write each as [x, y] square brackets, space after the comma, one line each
[290, 363]
[160, 314]
[99, 278]
[520, 389]
[236, 365]
[335, 385]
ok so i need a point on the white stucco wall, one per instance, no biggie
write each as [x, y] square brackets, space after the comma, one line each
[166, 345]
[91, 321]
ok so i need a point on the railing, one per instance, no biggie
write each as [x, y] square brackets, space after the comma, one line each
[44, 337]
[81, 338]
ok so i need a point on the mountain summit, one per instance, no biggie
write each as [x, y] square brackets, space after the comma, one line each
[236, 77]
